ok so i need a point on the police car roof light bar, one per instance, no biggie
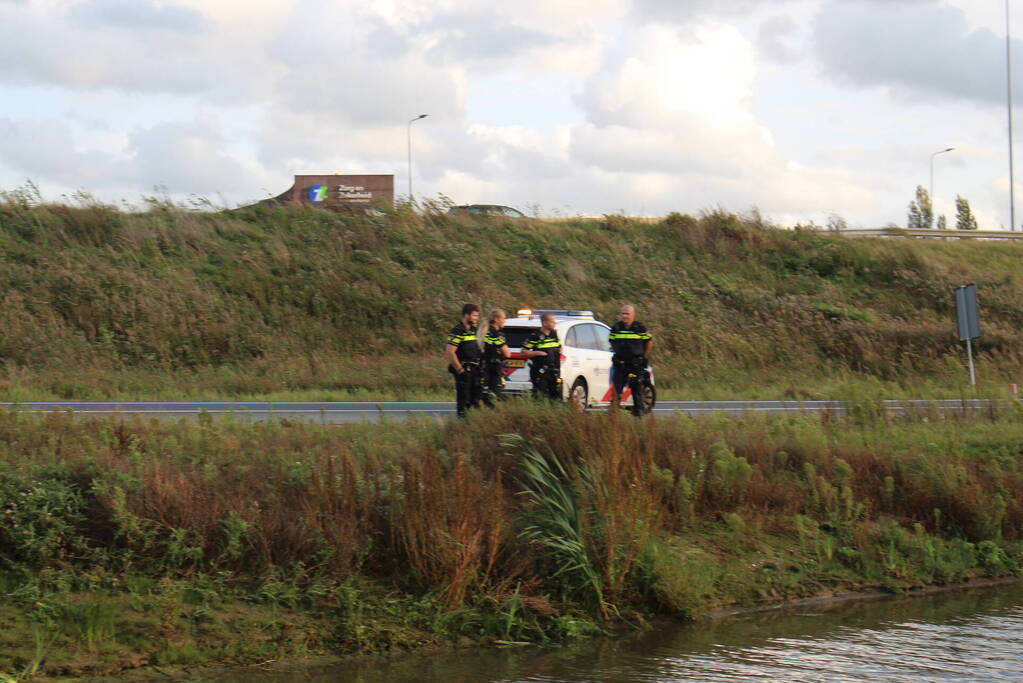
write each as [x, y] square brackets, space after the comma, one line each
[560, 312]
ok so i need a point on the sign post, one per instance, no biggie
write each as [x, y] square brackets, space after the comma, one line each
[968, 321]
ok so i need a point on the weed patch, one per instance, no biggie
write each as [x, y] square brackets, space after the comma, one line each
[127, 542]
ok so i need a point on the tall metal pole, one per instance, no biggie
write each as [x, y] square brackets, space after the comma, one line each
[1008, 88]
[411, 121]
[931, 188]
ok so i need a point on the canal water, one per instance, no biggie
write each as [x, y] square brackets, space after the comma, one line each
[967, 635]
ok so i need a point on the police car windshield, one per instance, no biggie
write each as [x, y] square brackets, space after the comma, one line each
[517, 336]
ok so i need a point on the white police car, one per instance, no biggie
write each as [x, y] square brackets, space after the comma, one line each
[585, 358]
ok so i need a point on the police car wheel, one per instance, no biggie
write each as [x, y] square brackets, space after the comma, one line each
[649, 397]
[579, 394]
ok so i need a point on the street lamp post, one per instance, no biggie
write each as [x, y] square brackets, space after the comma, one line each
[1008, 101]
[411, 121]
[931, 190]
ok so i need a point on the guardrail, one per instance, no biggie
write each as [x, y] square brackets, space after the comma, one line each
[930, 234]
[846, 232]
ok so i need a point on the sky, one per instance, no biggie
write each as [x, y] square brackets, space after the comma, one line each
[803, 110]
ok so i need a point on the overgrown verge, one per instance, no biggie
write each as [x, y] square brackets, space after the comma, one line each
[126, 543]
[98, 303]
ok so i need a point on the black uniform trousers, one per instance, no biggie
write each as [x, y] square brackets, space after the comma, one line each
[630, 371]
[547, 382]
[468, 388]
[493, 382]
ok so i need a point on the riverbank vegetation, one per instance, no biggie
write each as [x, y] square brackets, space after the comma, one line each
[127, 543]
[301, 303]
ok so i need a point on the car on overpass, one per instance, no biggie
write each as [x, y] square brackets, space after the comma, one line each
[486, 210]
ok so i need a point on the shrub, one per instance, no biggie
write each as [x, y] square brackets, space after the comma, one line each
[39, 520]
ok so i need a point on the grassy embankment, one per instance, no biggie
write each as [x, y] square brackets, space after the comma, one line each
[129, 543]
[305, 304]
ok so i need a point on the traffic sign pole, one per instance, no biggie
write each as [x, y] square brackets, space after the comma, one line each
[969, 358]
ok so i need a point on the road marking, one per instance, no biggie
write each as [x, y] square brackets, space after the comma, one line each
[353, 411]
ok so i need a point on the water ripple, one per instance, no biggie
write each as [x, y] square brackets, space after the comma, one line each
[985, 648]
[970, 636]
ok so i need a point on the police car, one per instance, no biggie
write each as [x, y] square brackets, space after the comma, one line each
[585, 358]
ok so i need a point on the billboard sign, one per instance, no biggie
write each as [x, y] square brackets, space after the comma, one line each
[339, 191]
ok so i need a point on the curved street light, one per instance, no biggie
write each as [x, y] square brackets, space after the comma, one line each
[1008, 104]
[931, 190]
[411, 121]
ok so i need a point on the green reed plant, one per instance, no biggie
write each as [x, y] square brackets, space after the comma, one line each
[91, 622]
[554, 520]
[41, 647]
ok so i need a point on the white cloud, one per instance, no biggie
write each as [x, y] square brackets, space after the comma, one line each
[676, 11]
[668, 126]
[482, 35]
[656, 75]
[676, 104]
[185, 158]
[583, 106]
[45, 149]
[774, 37]
[137, 15]
[40, 45]
[919, 49]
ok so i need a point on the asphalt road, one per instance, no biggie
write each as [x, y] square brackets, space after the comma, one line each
[348, 412]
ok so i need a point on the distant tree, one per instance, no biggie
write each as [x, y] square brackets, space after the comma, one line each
[965, 220]
[921, 214]
[836, 223]
[942, 223]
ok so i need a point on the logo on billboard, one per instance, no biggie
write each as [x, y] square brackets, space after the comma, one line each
[318, 194]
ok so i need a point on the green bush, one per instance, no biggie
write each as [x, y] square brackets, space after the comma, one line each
[39, 519]
[730, 476]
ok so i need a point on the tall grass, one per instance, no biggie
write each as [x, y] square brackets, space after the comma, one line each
[570, 501]
[305, 303]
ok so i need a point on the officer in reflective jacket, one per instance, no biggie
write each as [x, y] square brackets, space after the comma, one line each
[631, 343]
[543, 349]
[495, 351]
[464, 356]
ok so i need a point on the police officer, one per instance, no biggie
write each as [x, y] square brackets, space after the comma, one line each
[464, 355]
[631, 343]
[495, 351]
[543, 349]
